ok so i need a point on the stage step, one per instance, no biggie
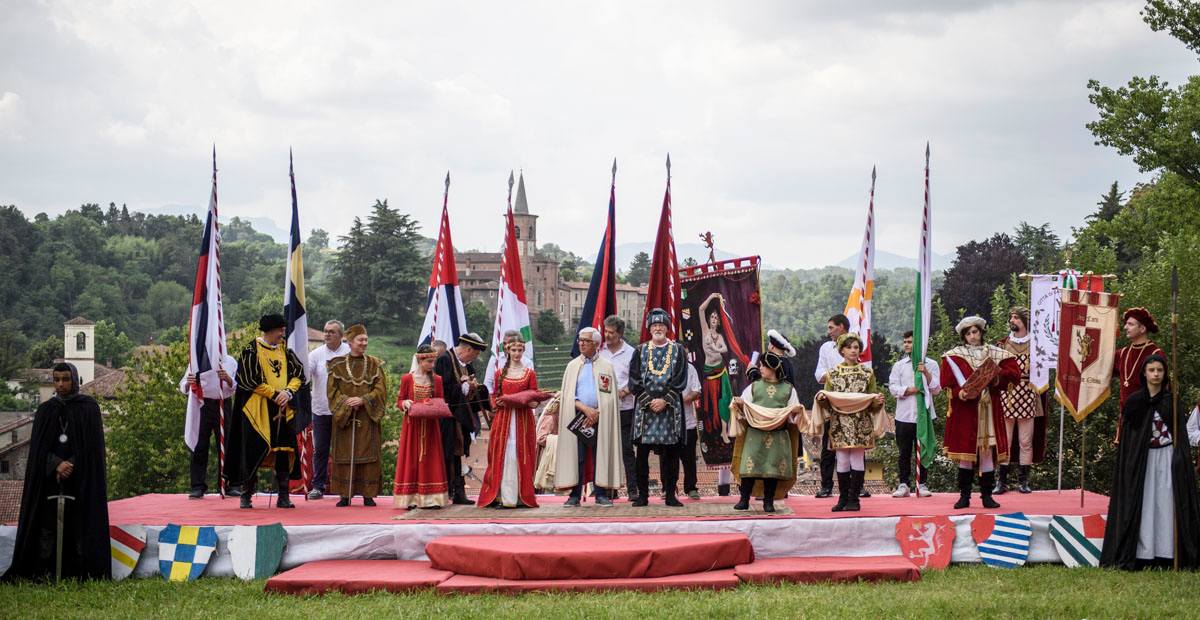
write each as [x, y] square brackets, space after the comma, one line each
[357, 576]
[835, 569]
[708, 580]
[576, 557]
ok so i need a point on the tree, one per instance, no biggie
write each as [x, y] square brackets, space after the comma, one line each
[379, 272]
[479, 320]
[979, 268]
[1040, 246]
[1156, 124]
[639, 269]
[318, 239]
[111, 345]
[168, 303]
[548, 329]
[43, 354]
[13, 344]
[1110, 204]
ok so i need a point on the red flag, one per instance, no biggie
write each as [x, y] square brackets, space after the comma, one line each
[663, 288]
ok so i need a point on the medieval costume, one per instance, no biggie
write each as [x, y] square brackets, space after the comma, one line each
[420, 479]
[849, 410]
[589, 384]
[1128, 360]
[261, 433]
[356, 446]
[66, 458]
[768, 439]
[658, 371]
[547, 441]
[1024, 412]
[512, 446]
[466, 398]
[1153, 510]
[973, 424]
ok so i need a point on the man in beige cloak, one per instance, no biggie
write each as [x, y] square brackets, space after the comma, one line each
[589, 393]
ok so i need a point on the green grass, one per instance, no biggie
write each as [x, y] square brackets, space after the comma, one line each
[966, 592]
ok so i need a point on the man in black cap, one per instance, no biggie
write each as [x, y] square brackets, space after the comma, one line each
[466, 397]
[657, 378]
[261, 433]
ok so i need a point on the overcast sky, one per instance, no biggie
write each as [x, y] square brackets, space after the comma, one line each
[773, 112]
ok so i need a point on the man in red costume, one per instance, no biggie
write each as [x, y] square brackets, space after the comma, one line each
[1139, 324]
[975, 423]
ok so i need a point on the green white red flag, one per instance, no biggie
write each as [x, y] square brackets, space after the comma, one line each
[926, 439]
[512, 309]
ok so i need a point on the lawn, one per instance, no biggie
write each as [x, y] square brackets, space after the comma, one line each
[967, 592]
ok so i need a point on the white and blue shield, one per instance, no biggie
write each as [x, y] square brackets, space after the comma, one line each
[1003, 540]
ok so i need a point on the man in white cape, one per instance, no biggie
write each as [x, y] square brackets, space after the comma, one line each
[589, 391]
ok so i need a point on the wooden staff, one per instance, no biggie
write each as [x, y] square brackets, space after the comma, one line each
[1175, 390]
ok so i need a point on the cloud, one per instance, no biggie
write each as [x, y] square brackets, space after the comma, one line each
[774, 113]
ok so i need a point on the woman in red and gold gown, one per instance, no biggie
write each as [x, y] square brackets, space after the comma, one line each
[420, 469]
[512, 443]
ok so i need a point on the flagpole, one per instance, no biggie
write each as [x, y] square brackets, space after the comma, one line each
[1062, 416]
[1175, 389]
[221, 349]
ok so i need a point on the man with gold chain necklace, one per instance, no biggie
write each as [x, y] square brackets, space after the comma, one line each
[657, 378]
[357, 392]
[1127, 367]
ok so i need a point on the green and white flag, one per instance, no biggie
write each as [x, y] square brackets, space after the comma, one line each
[512, 311]
[255, 551]
[926, 440]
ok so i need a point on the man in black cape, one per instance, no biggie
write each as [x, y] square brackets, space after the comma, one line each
[66, 457]
[1148, 439]
[262, 431]
[466, 397]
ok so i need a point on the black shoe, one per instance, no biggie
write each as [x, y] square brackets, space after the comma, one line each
[744, 489]
[368, 501]
[864, 492]
[461, 499]
[245, 502]
[640, 502]
[196, 494]
[965, 477]
[843, 479]
[723, 490]
[672, 501]
[343, 502]
[856, 485]
[768, 504]
[233, 492]
[1024, 480]
[283, 501]
[985, 489]
[824, 492]
[1001, 486]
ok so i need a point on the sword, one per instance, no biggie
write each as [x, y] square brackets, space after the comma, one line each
[62, 506]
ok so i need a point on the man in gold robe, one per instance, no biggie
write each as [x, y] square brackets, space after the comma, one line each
[357, 392]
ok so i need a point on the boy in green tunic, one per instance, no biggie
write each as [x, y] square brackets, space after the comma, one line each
[767, 445]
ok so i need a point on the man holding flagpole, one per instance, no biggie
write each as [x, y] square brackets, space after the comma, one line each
[924, 436]
[902, 384]
[208, 418]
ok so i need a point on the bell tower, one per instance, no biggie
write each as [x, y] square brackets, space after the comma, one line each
[525, 222]
[79, 347]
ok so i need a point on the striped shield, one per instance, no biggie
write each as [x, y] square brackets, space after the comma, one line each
[1003, 540]
[126, 543]
[1078, 539]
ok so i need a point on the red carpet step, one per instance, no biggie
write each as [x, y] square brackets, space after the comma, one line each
[573, 557]
[815, 569]
[710, 580]
[357, 576]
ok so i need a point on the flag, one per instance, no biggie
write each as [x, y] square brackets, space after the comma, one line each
[663, 289]
[1044, 316]
[184, 551]
[1078, 539]
[512, 309]
[206, 331]
[126, 543]
[926, 439]
[1003, 540]
[445, 318]
[297, 338]
[1086, 347]
[255, 550]
[601, 300]
[858, 306]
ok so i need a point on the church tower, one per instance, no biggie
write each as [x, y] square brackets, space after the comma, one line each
[79, 347]
[526, 224]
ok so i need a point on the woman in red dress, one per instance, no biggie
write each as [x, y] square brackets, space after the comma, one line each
[420, 469]
[512, 444]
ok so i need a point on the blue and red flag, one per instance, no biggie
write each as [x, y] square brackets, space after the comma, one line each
[445, 318]
[601, 300]
[206, 328]
[296, 333]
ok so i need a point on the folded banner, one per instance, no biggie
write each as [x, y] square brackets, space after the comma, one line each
[1087, 342]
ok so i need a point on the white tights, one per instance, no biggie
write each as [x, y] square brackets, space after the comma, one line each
[985, 463]
[851, 459]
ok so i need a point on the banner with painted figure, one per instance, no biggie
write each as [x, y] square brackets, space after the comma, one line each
[1088, 338]
[722, 329]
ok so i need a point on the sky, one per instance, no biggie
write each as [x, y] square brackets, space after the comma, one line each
[773, 113]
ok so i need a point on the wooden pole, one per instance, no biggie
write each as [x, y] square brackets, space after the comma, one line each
[1175, 434]
[1082, 457]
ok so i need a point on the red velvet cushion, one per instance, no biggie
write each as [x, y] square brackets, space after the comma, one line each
[526, 398]
[432, 408]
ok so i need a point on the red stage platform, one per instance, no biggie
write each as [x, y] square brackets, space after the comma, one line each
[357, 576]
[816, 569]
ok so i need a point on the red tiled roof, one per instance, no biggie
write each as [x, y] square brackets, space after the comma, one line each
[105, 386]
[79, 321]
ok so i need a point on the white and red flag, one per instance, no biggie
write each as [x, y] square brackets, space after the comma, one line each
[663, 289]
[1087, 342]
[512, 309]
[858, 306]
[206, 328]
[445, 318]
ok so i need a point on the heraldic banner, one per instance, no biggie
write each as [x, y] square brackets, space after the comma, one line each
[1086, 346]
[722, 329]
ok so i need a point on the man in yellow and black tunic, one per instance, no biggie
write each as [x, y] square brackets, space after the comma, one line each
[260, 433]
[357, 393]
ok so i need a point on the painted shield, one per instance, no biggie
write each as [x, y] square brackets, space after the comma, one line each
[126, 543]
[184, 551]
[1003, 540]
[1078, 539]
[926, 541]
[255, 551]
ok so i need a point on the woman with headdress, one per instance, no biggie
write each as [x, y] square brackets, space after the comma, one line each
[420, 480]
[512, 443]
[1153, 510]
[768, 441]
[853, 409]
